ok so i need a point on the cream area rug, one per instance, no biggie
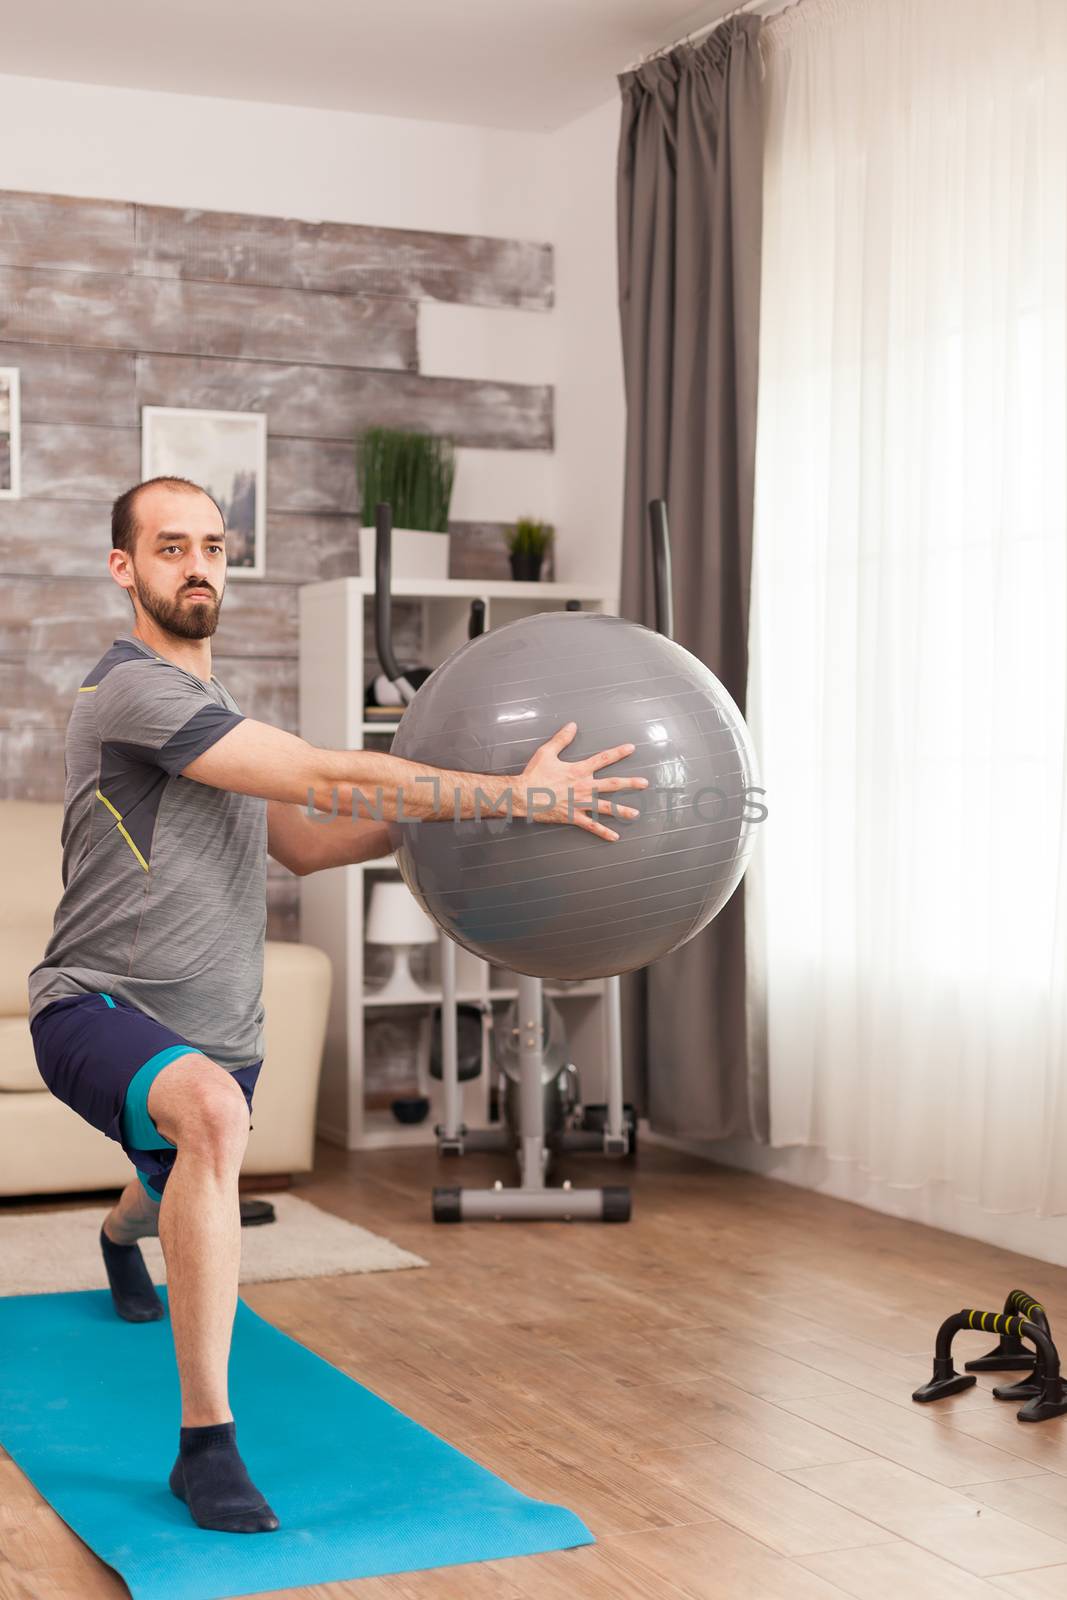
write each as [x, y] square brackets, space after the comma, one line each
[45, 1251]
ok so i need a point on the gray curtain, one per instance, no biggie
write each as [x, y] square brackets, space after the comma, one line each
[689, 215]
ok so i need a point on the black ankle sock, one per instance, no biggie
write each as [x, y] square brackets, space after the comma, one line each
[211, 1478]
[131, 1287]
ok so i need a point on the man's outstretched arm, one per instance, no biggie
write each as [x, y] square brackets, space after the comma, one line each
[255, 758]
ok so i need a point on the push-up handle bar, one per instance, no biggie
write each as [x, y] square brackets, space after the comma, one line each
[1049, 1398]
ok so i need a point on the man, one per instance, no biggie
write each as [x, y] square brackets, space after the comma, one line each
[146, 1008]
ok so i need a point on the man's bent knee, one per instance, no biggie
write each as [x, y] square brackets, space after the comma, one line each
[197, 1104]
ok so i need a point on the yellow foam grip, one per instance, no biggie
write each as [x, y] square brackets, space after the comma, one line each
[993, 1322]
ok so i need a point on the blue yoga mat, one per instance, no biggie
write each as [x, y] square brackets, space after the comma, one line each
[90, 1411]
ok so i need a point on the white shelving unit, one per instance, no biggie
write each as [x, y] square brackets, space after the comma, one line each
[336, 628]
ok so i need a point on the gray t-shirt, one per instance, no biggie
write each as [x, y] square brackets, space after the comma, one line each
[164, 879]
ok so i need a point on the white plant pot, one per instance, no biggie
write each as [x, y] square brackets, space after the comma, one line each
[415, 554]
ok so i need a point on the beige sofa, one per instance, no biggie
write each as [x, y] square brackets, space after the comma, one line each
[45, 1148]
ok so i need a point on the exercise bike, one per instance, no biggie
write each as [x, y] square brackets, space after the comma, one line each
[540, 1104]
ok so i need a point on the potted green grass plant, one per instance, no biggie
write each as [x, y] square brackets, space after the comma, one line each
[414, 472]
[529, 541]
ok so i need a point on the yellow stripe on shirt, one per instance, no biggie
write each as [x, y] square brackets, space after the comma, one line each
[122, 830]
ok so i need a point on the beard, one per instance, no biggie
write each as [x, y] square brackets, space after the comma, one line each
[184, 619]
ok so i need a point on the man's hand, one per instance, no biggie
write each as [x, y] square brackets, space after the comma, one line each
[572, 785]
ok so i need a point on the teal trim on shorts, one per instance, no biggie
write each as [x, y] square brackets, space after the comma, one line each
[106, 997]
[137, 1126]
[147, 1187]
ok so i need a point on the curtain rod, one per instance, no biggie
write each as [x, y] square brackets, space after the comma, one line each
[766, 8]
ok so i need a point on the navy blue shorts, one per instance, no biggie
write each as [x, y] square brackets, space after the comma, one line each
[99, 1056]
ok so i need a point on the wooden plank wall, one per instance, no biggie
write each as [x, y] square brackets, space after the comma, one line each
[106, 307]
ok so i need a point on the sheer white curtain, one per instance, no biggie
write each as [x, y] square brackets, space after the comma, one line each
[909, 897]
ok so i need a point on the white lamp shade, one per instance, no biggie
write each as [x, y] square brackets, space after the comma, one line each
[396, 917]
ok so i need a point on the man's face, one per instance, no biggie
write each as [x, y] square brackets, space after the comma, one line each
[180, 549]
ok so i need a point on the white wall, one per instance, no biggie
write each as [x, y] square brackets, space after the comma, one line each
[182, 150]
[579, 351]
[590, 409]
[232, 155]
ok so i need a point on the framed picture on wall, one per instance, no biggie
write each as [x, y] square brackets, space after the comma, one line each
[226, 453]
[10, 453]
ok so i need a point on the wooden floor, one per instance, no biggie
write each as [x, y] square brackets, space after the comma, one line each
[721, 1389]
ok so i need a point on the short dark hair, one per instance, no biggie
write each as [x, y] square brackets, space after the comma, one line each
[124, 511]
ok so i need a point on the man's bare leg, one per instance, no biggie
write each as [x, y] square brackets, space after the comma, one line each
[200, 1231]
[198, 1106]
[133, 1217]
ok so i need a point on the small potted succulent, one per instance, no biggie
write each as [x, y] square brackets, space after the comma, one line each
[414, 472]
[528, 543]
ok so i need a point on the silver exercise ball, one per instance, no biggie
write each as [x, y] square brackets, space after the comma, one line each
[552, 900]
